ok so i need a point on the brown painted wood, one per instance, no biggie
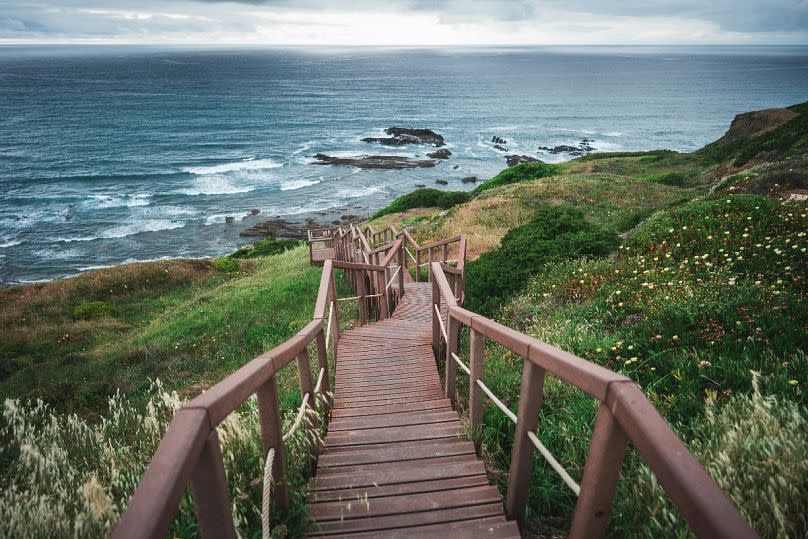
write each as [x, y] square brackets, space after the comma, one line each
[394, 439]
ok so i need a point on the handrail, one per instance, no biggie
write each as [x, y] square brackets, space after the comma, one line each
[190, 454]
[625, 415]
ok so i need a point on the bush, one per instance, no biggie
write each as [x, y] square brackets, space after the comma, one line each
[519, 173]
[555, 233]
[265, 247]
[225, 264]
[756, 449]
[425, 198]
[91, 310]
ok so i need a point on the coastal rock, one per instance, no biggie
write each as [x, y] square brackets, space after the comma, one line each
[756, 123]
[387, 162]
[455, 167]
[255, 211]
[512, 160]
[443, 153]
[419, 186]
[399, 136]
[497, 140]
[583, 148]
[469, 179]
[281, 228]
[441, 182]
[500, 148]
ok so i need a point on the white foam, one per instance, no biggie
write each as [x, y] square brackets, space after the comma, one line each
[249, 164]
[11, 243]
[215, 185]
[113, 201]
[358, 192]
[291, 185]
[613, 134]
[70, 240]
[129, 229]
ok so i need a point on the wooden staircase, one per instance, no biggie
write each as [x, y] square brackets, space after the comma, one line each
[394, 462]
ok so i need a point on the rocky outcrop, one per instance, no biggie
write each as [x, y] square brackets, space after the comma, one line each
[443, 153]
[441, 182]
[281, 228]
[469, 179]
[512, 160]
[388, 162]
[500, 148]
[497, 140]
[400, 136]
[583, 147]
[756, 123]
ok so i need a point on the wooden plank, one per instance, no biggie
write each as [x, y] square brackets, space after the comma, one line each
[369, 454]
[391, 420]
[429, 404]
[393, 434]
[407, 520]
[403, 475]
[491, 527]
[394, 505]
[398, 490]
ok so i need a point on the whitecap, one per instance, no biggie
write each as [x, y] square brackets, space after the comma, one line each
[215, 185]
[358, 192]
[613, 134]
[291, 185]
[113, 201]
[11, 243]
[249, 164]
[129, 229]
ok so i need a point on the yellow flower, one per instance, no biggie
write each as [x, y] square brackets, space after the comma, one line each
[792, 382]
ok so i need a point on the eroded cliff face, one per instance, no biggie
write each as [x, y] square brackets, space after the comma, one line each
[756, 123]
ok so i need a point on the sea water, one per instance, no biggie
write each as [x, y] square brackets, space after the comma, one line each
[116, 154]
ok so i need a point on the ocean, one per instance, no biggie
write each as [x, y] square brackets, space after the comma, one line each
[119, 154]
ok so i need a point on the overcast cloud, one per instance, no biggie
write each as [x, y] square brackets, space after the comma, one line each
[406, 22]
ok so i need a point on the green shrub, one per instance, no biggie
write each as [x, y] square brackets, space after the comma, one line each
[756, 449]
[265, 247]
[91, 310]
[226, 265]
[519, 173]
[424, 198]
[556, 232]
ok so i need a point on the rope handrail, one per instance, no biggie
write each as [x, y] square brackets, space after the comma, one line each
[461, 364]
[393, 278]
[440, 321]
[495, 400]
[328, 326]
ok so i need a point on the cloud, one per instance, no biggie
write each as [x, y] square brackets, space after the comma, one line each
[405, 22]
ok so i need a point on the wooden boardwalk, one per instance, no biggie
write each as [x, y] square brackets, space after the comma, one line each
[394, 464]
[318, 256]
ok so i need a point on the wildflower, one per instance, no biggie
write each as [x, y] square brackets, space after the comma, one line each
[675, 338]
[792, 382]
[703, 364]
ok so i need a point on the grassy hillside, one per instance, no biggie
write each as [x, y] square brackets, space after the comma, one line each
[686, 272]
[702, 303]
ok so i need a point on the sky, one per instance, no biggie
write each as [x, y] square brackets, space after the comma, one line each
[404, 22]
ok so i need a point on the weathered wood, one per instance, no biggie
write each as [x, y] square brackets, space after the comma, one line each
[210, 492]
[269, 417]
[476, 366]
[530, 399]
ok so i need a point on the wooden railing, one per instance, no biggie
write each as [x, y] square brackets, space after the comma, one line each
[625, 415]
[190, 455]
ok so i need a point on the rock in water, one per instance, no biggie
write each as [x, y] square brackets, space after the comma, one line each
[443, 153]
[229, 219]
[388, 162]
[512, 160]
[441, 182]
[402, 135]
[500, 148]
[469, 179]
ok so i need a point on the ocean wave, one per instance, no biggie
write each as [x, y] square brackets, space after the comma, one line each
[249, 164]
[215, 185]
[130, 229]
[358, 192]
[114, 201]
[291, 185]
[11, 243]
[613, 134]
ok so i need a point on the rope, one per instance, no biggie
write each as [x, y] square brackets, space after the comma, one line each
[462, 365]
[554, 464]
[348, 299]
[409, 253]
[440, 321]
[496, 401]
[298, 419]
[328, 326]
[266, 531]
[393, 278]
[319, 380]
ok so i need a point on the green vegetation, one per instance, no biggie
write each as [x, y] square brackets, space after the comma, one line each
[265, 247]
[555, 233]
[424, 198]
[519, 173]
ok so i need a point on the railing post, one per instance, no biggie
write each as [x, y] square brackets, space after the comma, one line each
[429, 267]
[269, 416]
[477, 368]
[304, 375]
[445, 253]
[435, 322]
[363, 308]
[530, 399]
[381, 277]
[601, 472]
[452, 335]
[417, 266]
[335, 315]
[402, 261]
[210, 492]
[322, 361]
